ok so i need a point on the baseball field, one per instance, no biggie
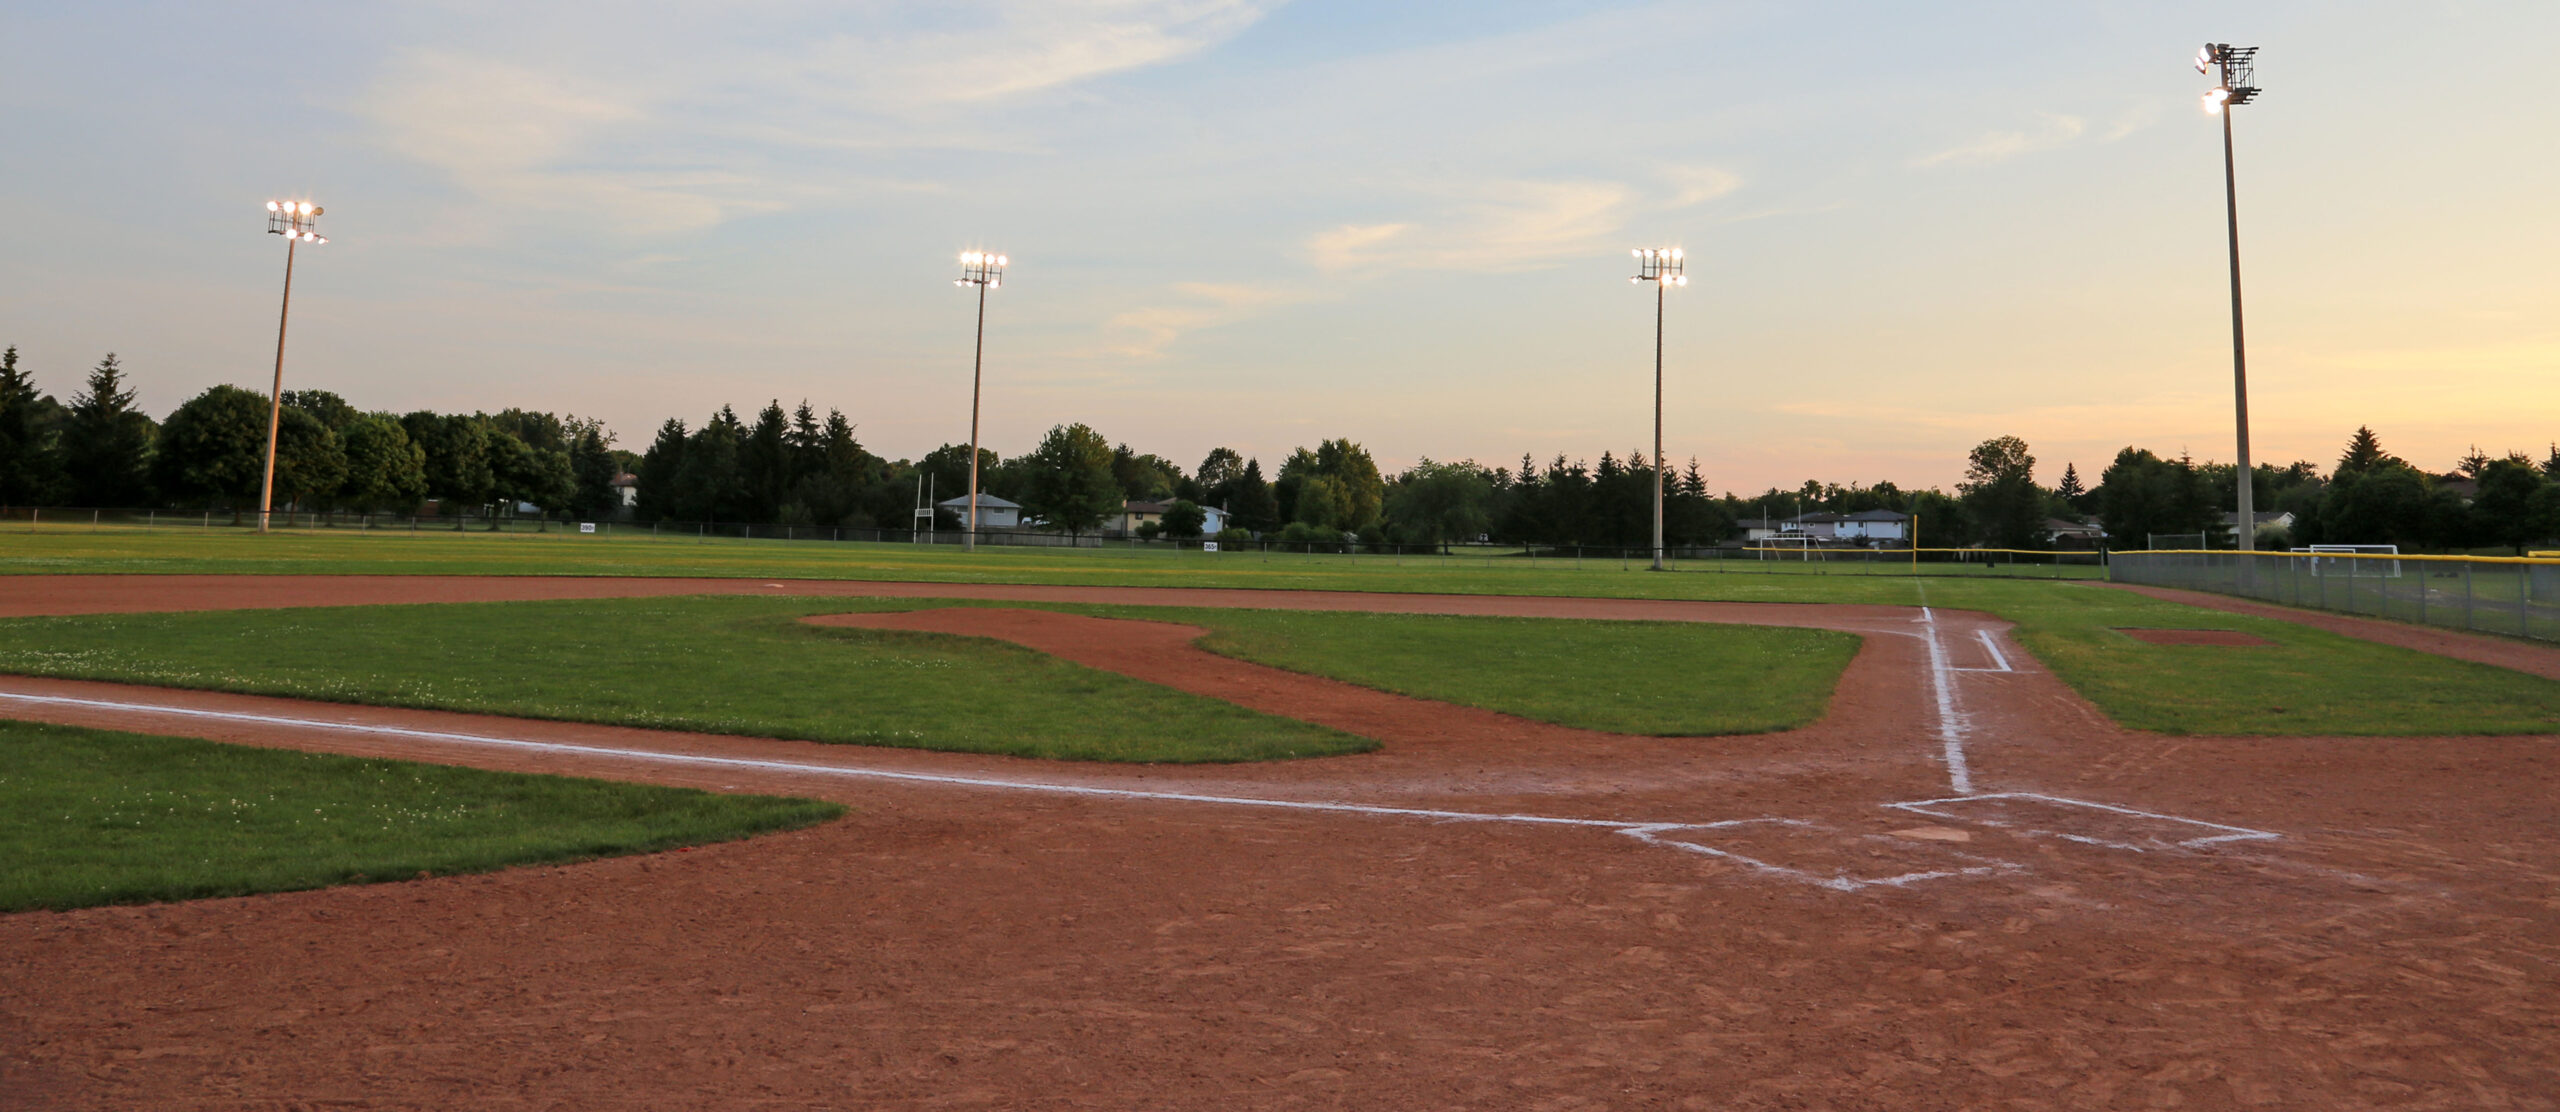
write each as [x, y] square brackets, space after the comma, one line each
[463, 821]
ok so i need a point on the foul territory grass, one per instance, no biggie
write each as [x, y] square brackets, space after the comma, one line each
[91, 817]
[2308, 682]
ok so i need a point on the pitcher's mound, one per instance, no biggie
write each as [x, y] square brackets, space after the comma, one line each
[2195, 637]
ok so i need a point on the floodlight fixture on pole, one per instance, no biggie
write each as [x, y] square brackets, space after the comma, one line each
[2236, 71]
[299, 223]
[985, 271]
[1664, 267]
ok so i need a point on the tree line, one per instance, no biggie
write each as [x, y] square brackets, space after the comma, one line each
[796, 467]
[210, 453]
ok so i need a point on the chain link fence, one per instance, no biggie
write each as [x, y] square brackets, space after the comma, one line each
[2516, 596]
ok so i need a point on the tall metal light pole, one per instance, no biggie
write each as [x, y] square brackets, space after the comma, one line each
[2237, 67]
[1664, 267]
[299, 223]
[985, 271]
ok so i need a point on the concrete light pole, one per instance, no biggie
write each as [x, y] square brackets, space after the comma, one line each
[2236, 66]
[985, 271]
[1664, 267]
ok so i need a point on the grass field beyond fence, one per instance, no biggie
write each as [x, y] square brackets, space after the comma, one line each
[91, 817]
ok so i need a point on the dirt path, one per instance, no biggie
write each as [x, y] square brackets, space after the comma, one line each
[1463, 919]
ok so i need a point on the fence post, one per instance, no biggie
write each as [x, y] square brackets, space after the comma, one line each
[2422, 594]
[2466, 597]
[2524, 600]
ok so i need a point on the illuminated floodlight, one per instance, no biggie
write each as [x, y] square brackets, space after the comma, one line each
[299, 223]
[1665, 267]
[984, 270]
[2235, 69]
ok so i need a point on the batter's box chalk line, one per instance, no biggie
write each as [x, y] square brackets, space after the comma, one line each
[2083, 821]
[1671, 836]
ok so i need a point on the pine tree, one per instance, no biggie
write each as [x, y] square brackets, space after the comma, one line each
[659, 468]
[106, 446]
[29, 469]
[2551, 464]
[2069, 489]
[2364, 453]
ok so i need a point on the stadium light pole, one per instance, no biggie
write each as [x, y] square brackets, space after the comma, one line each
[985, 271]
[299, 223]
[1664, 267]
[2237, 70]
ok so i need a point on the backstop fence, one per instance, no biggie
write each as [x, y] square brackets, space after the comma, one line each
[2516, 596]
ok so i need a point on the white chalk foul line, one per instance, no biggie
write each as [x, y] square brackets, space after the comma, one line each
[1650, 833]
[1952, 725]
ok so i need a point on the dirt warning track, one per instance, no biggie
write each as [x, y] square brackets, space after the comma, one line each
[1962, 888]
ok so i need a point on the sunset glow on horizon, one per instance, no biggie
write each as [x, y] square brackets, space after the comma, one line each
[1259, 225]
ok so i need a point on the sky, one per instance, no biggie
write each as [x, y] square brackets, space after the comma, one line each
[1909, 227]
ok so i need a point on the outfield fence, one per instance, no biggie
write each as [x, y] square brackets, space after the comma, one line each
[1757, 559]
[2517, 596]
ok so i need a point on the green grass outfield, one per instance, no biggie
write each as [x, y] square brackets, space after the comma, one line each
[91, 817]
[224, 551]
[747, 665]
[2310, 682]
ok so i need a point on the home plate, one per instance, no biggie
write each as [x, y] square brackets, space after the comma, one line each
[2076, 820]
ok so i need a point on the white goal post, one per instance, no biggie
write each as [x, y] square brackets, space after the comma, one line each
[2387, 569]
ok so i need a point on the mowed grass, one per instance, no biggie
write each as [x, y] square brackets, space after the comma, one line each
[92, 817]
[727, 664]
[76, 550]
[2308, 683]
[1661, 678]
[722, 665]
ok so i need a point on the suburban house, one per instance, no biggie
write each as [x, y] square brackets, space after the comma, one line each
[2075, 536]
[1820, 528]
[1134, 514]
[626, 490]
[993, 512]
[1874, 525]
[2268, 520]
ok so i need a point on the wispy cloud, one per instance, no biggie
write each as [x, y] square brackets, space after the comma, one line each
[1147, 331]
[1999, 146]
[649, 135]
[1498, 226]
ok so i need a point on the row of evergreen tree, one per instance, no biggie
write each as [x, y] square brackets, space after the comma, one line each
[102, 451]
[795, 467]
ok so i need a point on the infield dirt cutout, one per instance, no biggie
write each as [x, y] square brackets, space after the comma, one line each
[1480, 914]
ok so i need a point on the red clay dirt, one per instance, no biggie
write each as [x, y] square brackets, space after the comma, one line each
[1007, 944]
[2226, 637]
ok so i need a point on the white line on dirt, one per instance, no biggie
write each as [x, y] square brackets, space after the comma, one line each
[1999, 663]
[1951, 722]
[1648, 832]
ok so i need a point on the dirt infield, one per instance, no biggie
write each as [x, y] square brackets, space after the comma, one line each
[1962, 888]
